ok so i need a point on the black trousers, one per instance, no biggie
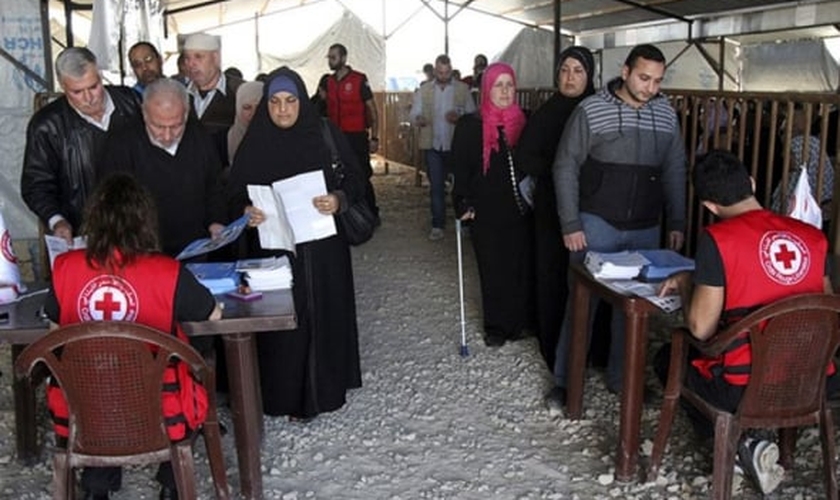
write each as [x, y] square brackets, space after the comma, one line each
[716, 390]
[101, 480]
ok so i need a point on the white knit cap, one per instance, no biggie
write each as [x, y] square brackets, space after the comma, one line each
[203, 41]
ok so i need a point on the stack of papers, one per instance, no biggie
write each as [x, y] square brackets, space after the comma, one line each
[615, 266]
[218, 277]
[271, 273]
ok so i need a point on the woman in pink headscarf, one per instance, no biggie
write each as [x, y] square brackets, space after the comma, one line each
[487, 194]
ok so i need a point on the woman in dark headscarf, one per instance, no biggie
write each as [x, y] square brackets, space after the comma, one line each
[306, 371]
[535, 155]
[486, 192]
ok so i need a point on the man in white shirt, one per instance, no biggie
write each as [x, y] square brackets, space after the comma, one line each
[437, 106]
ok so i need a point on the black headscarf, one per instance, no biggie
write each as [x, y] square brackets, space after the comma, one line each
[268, 153]
[584, 56]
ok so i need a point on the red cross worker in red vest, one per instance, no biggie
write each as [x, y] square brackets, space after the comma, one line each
[122, 276]
[750, 258]
[351, 107]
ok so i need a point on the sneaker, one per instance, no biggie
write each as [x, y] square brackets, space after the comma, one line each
[555, 401]
[436, 234]
[759, 458]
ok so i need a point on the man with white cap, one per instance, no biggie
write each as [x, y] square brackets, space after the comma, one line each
[213, 93]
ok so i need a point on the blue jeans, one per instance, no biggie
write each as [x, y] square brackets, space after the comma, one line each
[601, 236]
[437, 167]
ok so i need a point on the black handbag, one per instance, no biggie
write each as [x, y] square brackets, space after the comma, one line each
[358, 220]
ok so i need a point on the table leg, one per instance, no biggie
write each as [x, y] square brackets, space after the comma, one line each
[577, 349]
[632, 395]
[246, 411]
[26, 430]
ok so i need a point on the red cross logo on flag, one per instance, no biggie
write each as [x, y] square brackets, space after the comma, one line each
[108, 298]
[784, 257]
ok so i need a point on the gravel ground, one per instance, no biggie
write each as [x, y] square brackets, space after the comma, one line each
[429, 424]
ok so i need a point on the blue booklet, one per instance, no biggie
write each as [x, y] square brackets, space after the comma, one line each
[663, 263]
[203, 245]
[218, 277]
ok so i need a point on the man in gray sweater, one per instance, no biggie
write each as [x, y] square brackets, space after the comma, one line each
[620, 160]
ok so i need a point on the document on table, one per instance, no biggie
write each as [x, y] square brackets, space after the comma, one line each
[57, 246]
[647, 291]
[617, 265]
[291, 217]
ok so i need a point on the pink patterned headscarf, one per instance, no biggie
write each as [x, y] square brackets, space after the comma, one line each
[511, 118]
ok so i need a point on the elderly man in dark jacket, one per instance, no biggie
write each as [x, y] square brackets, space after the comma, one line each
[64, 139]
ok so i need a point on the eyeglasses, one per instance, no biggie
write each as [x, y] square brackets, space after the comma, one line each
[146, 60]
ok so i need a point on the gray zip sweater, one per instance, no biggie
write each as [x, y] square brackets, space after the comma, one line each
[603, 129]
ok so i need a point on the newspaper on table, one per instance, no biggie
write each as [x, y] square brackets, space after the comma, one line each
[57, 246]
[203, 245]
[290, 216]
[647, 291]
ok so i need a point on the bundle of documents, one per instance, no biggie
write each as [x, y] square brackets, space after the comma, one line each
[270, 273]
[615, 266]
[218, 277]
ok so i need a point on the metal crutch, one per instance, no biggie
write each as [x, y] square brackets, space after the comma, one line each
[465, 351]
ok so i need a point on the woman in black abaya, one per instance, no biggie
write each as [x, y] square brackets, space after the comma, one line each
[535, 156]
[306, 371]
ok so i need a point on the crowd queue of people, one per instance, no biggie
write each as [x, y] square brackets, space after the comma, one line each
[141, 172]
[605, 170]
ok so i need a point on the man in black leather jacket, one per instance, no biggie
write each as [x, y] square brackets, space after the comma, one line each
[65, 138]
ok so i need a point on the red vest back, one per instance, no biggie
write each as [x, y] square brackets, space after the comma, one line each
[143, 292]
[345, 106]
[766, 257]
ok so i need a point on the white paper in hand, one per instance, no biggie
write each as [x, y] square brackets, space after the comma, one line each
[275, 232]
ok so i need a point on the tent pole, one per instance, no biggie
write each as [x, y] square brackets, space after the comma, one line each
[47, 41]
[446, 27]
[557, 46]
[68, 23]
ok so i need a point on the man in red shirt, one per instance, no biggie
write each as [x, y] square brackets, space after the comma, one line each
[750, 258]
[351, 107]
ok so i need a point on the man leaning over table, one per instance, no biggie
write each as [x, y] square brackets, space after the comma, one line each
[749, 259]
[620, 159]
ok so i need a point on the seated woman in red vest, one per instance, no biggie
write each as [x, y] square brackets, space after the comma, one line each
[122, 276]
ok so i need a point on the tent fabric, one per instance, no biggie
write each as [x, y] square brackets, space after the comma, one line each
[365, 53]
[23, 40]
[814, 67]
[528, 53]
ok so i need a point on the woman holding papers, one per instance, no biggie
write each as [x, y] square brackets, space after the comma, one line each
[487, 193]
[535, 155]
[306, 371]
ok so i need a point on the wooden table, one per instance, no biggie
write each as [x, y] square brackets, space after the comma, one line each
[636, 311]
[275, 311]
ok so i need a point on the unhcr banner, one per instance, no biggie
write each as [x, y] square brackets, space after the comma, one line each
[22, 71]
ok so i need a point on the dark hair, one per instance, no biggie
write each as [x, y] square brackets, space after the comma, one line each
[644, 51]
[233, 71]
[342, 50]
[120, 223]
[443, 59]
[428, 67]
[145, 44]
[720, 177]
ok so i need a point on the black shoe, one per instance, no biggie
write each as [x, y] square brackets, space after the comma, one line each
[494, 339]
[87, 495]
[167, 493]
[555, 401]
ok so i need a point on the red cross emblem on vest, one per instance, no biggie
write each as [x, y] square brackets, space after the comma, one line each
[784, 257]
[108, 298]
